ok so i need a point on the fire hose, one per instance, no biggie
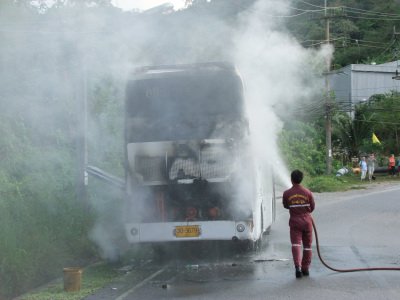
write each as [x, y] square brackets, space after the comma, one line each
[346, 270]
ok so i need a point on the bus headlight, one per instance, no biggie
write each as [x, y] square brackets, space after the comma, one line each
[240, 227]
[134, 231]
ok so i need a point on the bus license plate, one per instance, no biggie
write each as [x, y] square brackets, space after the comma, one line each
[187, 231]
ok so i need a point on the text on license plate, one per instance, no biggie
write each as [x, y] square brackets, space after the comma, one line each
[187, 231]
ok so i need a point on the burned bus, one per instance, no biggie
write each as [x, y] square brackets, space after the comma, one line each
[190, 172]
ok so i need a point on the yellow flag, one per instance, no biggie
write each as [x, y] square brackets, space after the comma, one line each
[375, 139]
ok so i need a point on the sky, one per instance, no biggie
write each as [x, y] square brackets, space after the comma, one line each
[146, 4]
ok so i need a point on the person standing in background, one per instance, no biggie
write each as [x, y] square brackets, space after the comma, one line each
[371, 165]
[392, 165]
[363, 168]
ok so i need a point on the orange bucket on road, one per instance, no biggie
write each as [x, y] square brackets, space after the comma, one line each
[72, 279]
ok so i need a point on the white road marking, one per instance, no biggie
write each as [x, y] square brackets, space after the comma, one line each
[123, 296]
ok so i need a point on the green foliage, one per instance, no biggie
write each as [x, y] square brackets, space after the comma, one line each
[303, 147]
[325, 183]
[349, 135]
[367, 146]
[303, 144]
[93, 278]
[379, 115]
[106, 119]
[42, 226]
[332, 183]
[361, 31]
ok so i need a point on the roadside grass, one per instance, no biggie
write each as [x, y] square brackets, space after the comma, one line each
[101, 274]
[331, 183]
[94, 277]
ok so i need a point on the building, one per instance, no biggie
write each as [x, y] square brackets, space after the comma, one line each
[356, 83]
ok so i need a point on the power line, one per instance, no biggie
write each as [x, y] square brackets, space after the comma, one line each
[307, 10]
[352, 10]
[288, 16]
[376, 19]
[393, 41]
[369, 12]
[311, 4]
[364, 41]
[371, 88]
[362, 46]
[377, 121]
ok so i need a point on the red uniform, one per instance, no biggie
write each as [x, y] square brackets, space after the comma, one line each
[300, 202]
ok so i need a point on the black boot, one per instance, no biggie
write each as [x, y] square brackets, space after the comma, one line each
[298, 273]
[305, 272]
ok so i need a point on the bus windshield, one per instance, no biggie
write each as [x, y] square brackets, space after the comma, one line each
[184, 104]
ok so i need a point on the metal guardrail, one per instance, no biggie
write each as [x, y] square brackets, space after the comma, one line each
[382, 170]
[106, 177]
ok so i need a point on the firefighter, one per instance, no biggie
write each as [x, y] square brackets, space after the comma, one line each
[300, 202]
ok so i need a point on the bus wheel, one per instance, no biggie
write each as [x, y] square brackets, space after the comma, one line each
[159, 253]
[260, 243]
[256, 246]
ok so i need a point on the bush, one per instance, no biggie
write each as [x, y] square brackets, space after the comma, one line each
[302, 146]
[43, 227]
[328, 183]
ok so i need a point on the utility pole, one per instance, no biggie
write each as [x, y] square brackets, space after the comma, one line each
[394, 31]
[328, 105]
[81, 143]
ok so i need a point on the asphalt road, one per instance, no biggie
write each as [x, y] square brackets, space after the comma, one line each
[357, 229]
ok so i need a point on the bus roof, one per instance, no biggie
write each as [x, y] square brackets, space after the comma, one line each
[147, 72]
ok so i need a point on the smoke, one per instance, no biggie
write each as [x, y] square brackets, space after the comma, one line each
[278, 74]
[52, 60]
[107, 239]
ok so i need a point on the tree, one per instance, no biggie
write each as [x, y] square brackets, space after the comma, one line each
[384, 113]
[362, 31]
[303, 147]
[379, 115]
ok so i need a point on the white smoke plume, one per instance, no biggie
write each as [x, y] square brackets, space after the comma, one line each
[276, 71]
[71, 51]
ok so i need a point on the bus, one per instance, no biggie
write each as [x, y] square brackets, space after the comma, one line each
[190, 171]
